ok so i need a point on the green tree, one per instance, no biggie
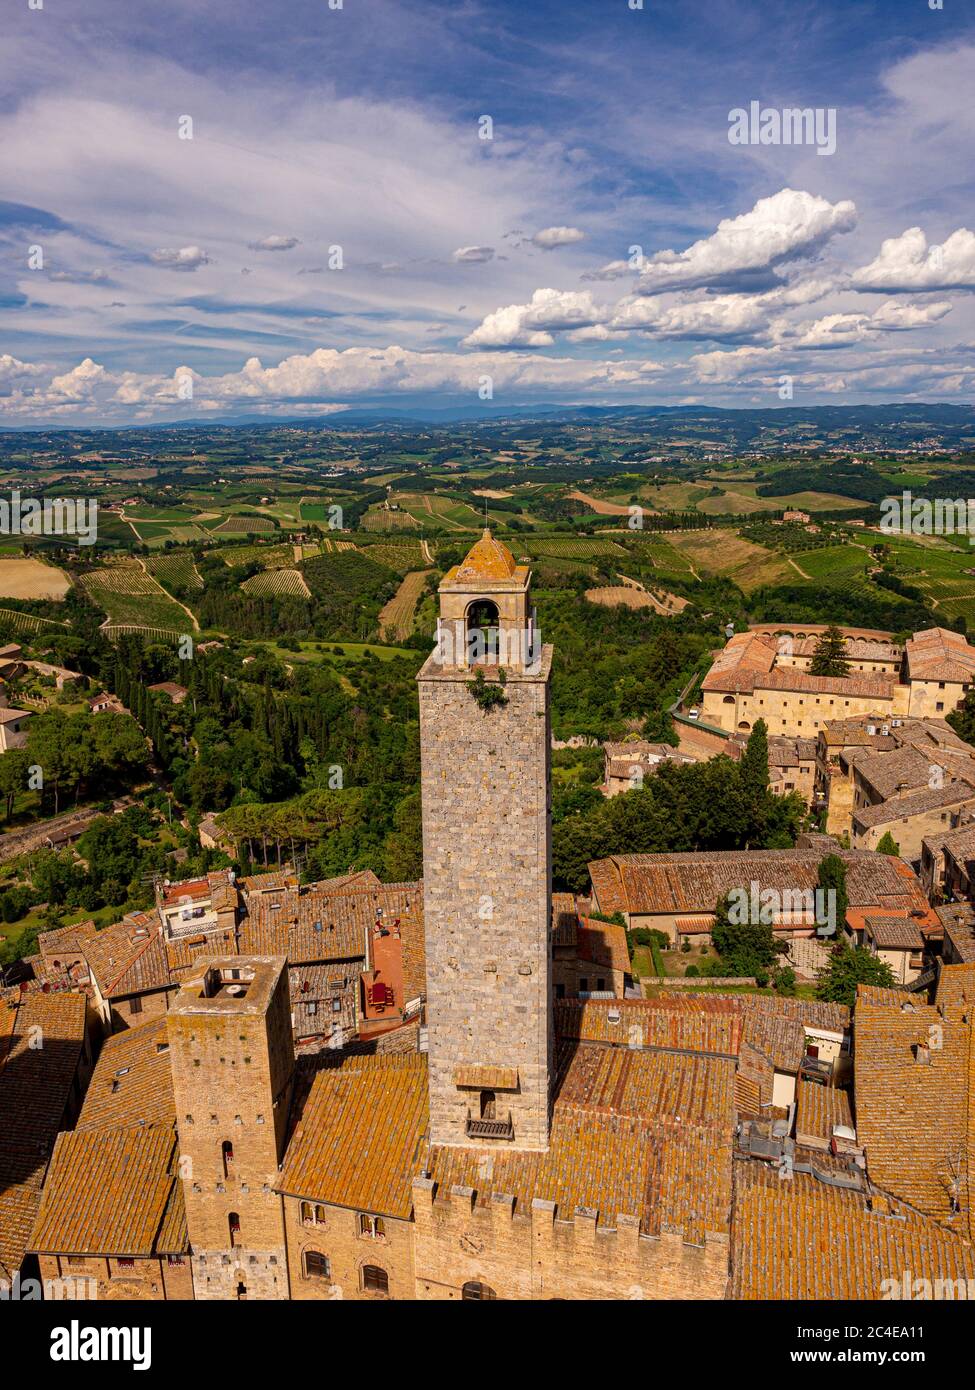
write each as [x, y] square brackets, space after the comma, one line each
[847, 967]
[829, 658]
[753, 770]
[747, 947]
[887, 844]
[832, 880]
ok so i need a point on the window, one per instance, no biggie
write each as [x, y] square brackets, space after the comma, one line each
[227, 1149]
[477, 1293]
[126, 1264]
[233, 1221]
[584, 984]
[601, 985]
[372, 1227]
[312, 1215]
[375, 1279]
[560, 991]
[175, 1261]
[135, 1005]
[488, 1105]
[316, 1265]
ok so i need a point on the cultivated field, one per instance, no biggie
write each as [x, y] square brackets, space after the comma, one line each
[22, 576]
[283, 582]
[396, 617]
[179, 570]
[725, 553]
[132, 598]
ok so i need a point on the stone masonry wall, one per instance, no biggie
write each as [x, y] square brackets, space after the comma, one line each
[487, 887]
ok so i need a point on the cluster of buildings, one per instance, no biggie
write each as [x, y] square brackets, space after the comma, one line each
[477, 1107]
[764, 674]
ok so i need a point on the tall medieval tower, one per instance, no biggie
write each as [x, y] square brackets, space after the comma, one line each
[487, 875]
[232, 1052]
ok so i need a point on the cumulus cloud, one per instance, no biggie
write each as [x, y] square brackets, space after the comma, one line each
[549, 238]
[185, 258]
[613, 270]
[473, 254]
[275, 243]
[532, 324]
[745, 250]
[325, 378]
[907, 262]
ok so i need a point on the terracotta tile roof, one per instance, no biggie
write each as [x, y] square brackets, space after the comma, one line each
[487, 559]
[311, 925]
[41, 1042]
[603, 943]
[915, 1066]
[790, 752]
[894, 933]
[109, 1192]
[617, 1143]
[359, 1136]
[132, 1083]
[818, 1109]
[672, 1022]
[938, 654]
[127, 960]
[747, 664]
[35, 1088]
[802, 1239]
[617, 1147]
[914, 804]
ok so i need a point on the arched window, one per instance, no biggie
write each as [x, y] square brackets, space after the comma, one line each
[233, 1221]
[488, 1105]
[728, 700]
[316, 1265]
[227, 1150]
[372, 1226]
[374, 1279]
[477, 1293]
[482, 627]
[744, 725]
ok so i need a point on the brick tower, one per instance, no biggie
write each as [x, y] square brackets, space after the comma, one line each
[232, 1052]
[487, 863]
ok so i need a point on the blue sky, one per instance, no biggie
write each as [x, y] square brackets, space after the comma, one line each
[337, 233]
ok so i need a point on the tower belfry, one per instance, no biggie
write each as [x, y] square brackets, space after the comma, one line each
[487, 857]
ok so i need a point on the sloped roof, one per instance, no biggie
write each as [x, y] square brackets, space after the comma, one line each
[487, 559]
[804, 1239]
[109, 1192]
[132, 1082]
[915, 1067]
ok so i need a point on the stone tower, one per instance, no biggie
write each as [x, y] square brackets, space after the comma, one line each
[487, 863]
[232, 1053]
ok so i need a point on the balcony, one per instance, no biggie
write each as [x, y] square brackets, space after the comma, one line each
[489, 1129]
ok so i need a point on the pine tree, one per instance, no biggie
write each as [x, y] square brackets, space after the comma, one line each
[888, 845]
[829, 658]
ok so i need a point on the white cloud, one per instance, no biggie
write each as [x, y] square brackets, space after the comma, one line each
[787, 225]
[473, 254]
[895, 315]
[908, 263]
[275, 243]
[532, 324]
[549, 238]
[613, 270]
[186, 258]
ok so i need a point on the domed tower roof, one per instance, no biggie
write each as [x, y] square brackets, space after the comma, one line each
[488, 559]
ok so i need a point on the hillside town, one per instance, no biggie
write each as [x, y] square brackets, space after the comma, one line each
[461, 1087]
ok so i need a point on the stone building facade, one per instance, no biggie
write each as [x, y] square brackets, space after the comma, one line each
[487, 867]
[232, 1052]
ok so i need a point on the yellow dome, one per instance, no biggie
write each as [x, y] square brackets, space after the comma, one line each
[488, 559]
